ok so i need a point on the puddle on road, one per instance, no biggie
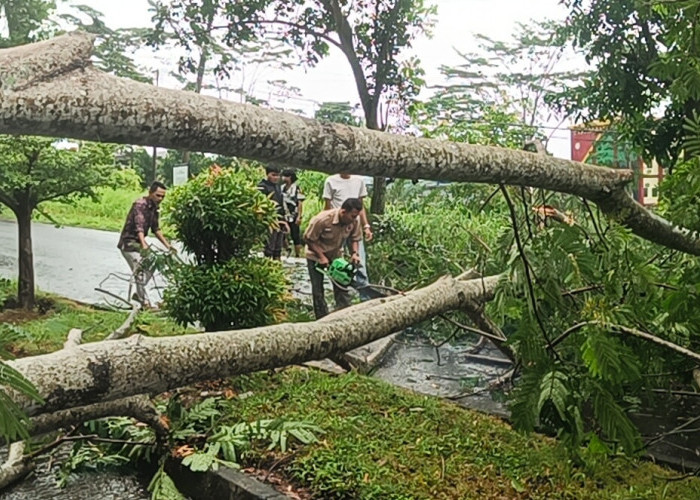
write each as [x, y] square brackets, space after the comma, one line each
[413, 363]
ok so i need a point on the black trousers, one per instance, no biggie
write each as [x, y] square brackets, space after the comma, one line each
[273, 247]
[342, 297]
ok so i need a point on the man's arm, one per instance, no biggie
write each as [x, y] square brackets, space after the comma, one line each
[142, 240]
[354, 241]
[140, 224]
[327, 194]
[367, 229]
[163, 240]
[315, 248]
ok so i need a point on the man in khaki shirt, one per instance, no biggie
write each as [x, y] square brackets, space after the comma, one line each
[325, 237]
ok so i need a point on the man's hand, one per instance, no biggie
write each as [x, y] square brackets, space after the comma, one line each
[368, 233]
[355, 258]
[172, 249]
[323, 261]
[284, 227]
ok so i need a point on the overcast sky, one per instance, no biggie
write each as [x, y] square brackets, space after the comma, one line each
[331, 79]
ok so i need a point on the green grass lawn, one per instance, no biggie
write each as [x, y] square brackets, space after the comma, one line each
[382, 442]
[35, 333]
[109, 213]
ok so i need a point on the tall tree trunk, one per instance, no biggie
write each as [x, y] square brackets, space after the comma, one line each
[25, 291]
[379, 184]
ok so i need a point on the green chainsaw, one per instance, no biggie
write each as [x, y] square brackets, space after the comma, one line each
[339, 271]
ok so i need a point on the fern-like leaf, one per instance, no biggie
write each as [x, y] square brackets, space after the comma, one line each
[13, 421]
[614, 422]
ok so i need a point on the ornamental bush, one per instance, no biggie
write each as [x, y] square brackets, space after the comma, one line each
[240, 293]
[222, 219]
[220, 214]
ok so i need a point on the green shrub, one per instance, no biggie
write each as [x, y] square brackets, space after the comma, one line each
[426, 233]
[311, 183]
[240, 293]
[220, 217]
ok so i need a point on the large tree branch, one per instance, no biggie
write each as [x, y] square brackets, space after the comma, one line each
[68, 98]
[9, 202]
[138, 407]
[89, 104]
[105, 371]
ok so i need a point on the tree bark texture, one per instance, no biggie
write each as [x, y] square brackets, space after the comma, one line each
[50, 88]
[109, 370]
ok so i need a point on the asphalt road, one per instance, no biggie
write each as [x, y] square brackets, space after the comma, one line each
[68, 261]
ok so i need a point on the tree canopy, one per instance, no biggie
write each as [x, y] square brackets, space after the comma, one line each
[646, 70]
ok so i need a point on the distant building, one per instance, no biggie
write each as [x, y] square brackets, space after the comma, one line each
[597, 144]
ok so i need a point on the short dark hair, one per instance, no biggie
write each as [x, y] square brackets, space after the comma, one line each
[269, 170]
[352, 204]
[289, 173]
[156, 185]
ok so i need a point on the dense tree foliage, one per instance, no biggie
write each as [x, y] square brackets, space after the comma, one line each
[646, 76]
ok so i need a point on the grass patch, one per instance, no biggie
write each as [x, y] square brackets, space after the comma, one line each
[49, 332]
[108, 213]
[42, 332]
[382, 442]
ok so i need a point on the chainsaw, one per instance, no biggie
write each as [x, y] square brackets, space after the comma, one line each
[340, 271]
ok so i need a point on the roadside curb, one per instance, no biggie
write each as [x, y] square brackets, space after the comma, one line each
[223, 484]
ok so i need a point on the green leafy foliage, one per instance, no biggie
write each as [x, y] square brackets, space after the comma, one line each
[162, 486]
[645, 72]
[220, 216]
[587, 278]
[240, 293]
[13, 421]
[34, 170]
[416, 242]
[26, 21]
[202, 434]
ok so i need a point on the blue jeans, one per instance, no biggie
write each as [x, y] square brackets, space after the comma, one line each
[361, 281]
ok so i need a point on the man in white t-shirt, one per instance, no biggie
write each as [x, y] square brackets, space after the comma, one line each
[336, 190]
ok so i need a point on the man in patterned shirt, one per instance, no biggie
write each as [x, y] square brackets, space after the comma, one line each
[142, 217]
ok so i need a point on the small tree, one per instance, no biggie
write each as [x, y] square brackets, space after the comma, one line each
[32, 170]
[220, 217]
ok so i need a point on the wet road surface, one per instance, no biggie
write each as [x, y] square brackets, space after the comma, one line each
[68, 261]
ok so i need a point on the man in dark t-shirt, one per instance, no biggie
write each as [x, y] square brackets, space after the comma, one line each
[270, 187]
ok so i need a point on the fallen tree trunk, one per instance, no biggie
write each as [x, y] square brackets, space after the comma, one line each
[109, 370]
[50, 88]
